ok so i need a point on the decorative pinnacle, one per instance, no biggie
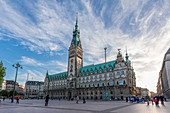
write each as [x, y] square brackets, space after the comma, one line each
[77, 18]
[119, 50]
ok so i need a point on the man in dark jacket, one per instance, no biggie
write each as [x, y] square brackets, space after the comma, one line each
[162, 100]
[46, 100]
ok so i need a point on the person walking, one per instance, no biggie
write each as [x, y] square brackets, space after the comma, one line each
[46, 100]
[77, 99]
[17, 100]
[147, 99]
[126, 99]
[84, 101]
[152, 100]
[156, 101]
[162, 100]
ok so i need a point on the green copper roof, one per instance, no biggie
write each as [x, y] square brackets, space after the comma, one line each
[57, 75]
[133, 71]
[128, 61]
[76, 33]
[97, 66]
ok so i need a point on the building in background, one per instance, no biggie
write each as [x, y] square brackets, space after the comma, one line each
[9, 85]
[145, 92]
[163, 84]
[34, 89]
[152, 94]
[3, 85]
[139, 92]
[91, 82]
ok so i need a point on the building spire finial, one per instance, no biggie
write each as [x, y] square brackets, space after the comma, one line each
[126, 55]
[76, 26]
[77, 17]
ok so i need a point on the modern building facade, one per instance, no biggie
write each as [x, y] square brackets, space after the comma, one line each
[34, 89]
[92, 81]
[163, 85]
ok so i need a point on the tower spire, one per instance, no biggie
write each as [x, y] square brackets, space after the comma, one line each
[76, 32]
[126, 55]
[77, 18]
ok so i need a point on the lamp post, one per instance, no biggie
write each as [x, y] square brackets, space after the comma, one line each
[106, 92]
[16, 66]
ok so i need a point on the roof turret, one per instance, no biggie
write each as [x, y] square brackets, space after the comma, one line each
[127, 57]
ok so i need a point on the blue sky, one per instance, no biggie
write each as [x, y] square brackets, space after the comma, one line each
[37, 34]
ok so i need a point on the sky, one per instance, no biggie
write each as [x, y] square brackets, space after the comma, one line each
[38, 33]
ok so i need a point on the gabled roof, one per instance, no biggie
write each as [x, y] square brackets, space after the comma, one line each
[97, 66]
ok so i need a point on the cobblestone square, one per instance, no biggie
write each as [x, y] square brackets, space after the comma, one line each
[63, 106]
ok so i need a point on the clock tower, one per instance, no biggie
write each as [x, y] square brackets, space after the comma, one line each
[75, 57]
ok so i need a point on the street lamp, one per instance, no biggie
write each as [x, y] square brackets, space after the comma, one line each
[16, 66]
[106, 92]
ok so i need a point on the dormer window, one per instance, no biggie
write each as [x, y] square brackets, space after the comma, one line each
[83, 73]
[87, 72]
[100, 70]
[95, 70]
[120, 65]
[110, 68]
[105, 69]
[91, 71]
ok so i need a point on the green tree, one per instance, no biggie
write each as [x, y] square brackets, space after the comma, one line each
[2, 72]
[4, 93]
[11, 93]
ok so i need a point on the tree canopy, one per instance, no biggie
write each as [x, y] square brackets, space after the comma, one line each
[2, 72]
[11, 93]
[4, 93]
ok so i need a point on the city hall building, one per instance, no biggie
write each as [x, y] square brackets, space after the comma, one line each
[92, 81]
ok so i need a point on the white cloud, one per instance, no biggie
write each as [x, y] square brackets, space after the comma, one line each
[30, 61]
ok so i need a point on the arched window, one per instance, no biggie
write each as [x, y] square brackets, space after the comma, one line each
[100, 69]
[71, 68]
[71, 60]
[87, 72]
[111, 92]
